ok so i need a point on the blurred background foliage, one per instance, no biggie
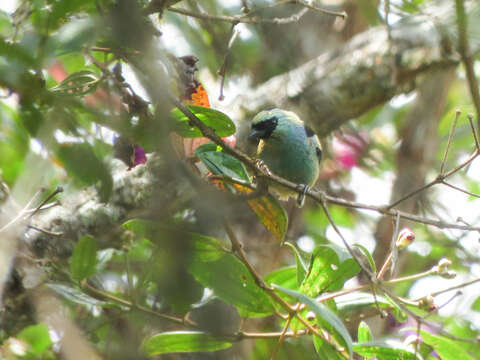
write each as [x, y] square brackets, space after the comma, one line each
[143, 249]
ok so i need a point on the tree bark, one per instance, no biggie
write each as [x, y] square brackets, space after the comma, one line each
[367, 71]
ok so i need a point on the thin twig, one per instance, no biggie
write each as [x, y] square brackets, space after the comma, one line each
[345, 243]
[437, 180]
[458, 293]
[474, 132]
[240, 19]
[386, 10]
[417, 340]
[282, 336]
[459, 286]
[249, 19]
[342, 14]
[425, 322]
[58, 190]
[43, 231]
[414, 192]
[237, 248]
[22, 212]
[450, 136]
[223, 68]
[385, 210]
[460, 189]
[393, 249]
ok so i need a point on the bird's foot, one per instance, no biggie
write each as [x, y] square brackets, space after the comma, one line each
[263, 167]
[302, 191]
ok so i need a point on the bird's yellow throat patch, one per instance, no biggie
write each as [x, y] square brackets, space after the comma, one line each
[261, 144]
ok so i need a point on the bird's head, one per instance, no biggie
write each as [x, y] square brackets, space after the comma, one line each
[266, 122]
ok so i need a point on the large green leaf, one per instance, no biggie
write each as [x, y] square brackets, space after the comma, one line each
[84, 258]
[325, 317]
[205, 248]
[285, 277]
[216, 269]
[221, 163]
[80, 161]
[301, 267]
[352, 303]
[76, 295]
[80, 83]
[218, 121]
[182, 342]
[383, 351]
[231, 281]
[366, 253]
[446, 348]
[330, 267]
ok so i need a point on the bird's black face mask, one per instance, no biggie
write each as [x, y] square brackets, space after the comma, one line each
[263, 129]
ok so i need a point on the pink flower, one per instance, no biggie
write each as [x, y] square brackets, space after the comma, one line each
[347, 149]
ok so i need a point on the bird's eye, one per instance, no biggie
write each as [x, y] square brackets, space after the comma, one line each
[265, 127]
[270, 123]
[309, 131]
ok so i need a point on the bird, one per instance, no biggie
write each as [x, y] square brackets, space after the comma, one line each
[288, 148]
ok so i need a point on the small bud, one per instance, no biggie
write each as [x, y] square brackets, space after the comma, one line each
[427, 303]
[310, 316]
[444, 264]
[442, 269]
[450, 274]
[405, 238]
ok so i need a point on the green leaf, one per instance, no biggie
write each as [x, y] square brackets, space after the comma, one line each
[271, 214]
[218, 121]
[285, 277]
[205, 248]
[212, 267]
[77, 296]
[364, 333]
[330, 267]
[81, 162]
[325, 317]
[383, 351]
[37, 337]
[369, 257]
[231, 281]
[397, 311]
[348, 305]
[182, 342]
[446, 348]
[301, 266]
[80, 83]
[325, 350]
[221, 163]
[84, 258]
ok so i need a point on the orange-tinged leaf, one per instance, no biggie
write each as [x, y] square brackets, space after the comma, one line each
[271, 214]
[268, 209]
[199, 97]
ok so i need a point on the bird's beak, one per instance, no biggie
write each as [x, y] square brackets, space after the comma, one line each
[255, 135]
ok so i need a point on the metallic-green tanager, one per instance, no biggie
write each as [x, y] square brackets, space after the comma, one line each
[289, 148]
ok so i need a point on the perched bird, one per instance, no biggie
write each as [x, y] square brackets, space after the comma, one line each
[289, 149]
